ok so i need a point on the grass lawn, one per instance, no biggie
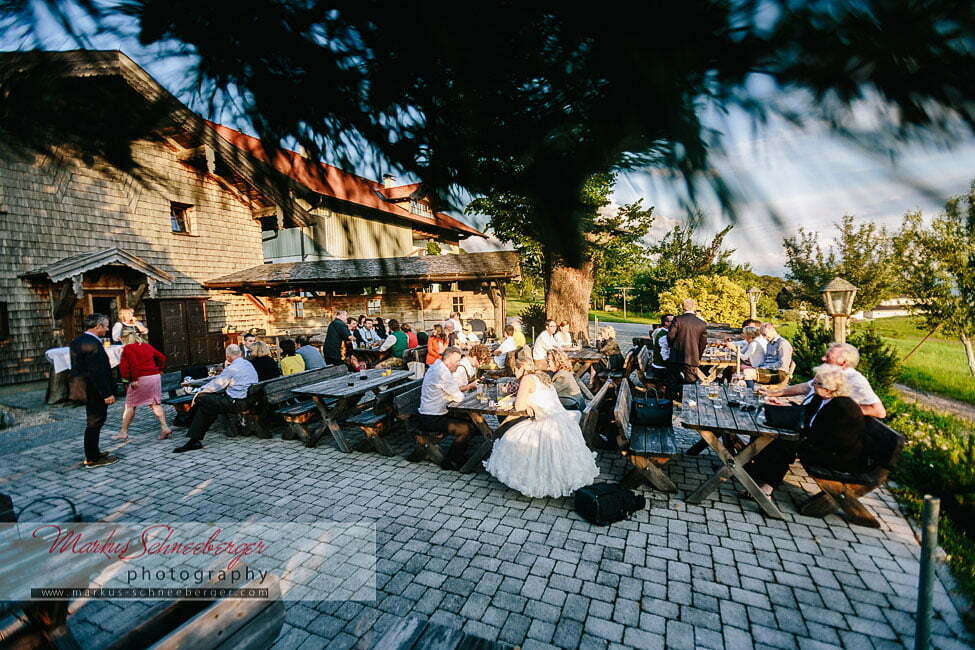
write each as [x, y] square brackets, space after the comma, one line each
[515, 307]
[938, 366]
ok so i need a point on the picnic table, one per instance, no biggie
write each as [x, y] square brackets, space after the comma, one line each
[584, 359]
[475, 409]
[724, 428]
[347, 391]
[715, 364]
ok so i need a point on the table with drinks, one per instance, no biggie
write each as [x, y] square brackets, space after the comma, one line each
[337, 396]
[714, 361]
[489, 398]
[725, 416]
[583, 359]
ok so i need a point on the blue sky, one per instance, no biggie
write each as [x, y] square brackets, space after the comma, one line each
[807, 176]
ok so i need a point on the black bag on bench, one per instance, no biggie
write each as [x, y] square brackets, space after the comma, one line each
[604, 503]
[652, 411]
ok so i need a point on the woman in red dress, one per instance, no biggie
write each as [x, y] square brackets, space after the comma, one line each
[141, 364]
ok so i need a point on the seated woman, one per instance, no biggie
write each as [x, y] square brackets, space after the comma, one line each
[436, 344]
[291, 361]
[832, 434]
[543, 455]
[751, 351]
[565, 381]
[563, 335]
[263, 362]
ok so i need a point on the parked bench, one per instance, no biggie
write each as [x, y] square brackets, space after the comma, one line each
[275, 397]
[843, 490]
[407, 404]
[415, 634]
[377, 420]
[647, 449]
[590, 415]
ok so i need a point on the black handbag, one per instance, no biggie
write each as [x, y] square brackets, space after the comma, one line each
[652, 412]
[604, 503]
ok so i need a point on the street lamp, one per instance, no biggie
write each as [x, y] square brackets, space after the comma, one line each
[838, 296]
[753, 295]
[624, 290]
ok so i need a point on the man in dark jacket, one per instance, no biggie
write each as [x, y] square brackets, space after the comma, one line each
[91, 375]
[687, 338]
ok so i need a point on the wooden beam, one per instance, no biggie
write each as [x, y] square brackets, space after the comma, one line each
[257, 303]
[65, 300]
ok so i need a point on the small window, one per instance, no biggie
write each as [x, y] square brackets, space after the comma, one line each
[432, 288]
[299, 308]
[4, 322]
[457, 302]
[180, 218]
[374, 306]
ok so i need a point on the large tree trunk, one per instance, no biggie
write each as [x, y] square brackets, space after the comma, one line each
[567, 294]
[967, 342]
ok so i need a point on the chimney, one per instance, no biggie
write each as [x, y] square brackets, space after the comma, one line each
[388, 181]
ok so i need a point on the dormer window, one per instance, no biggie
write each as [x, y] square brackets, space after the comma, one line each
[181, 218]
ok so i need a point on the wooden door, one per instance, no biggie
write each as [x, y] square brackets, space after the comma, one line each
[179, 329]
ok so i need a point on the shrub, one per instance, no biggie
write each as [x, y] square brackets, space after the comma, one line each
[808, 345]
[533, 316]
[719, 299]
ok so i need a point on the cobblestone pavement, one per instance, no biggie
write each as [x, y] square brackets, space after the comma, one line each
[465, 551]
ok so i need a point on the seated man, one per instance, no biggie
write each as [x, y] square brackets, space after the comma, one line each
[309, 354]
[778, 357]
[846, 357]
[543, 343]
[440, 389]
[225, 393]
[393, 347]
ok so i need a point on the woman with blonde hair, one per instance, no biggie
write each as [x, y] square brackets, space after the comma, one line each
[127, 323]
[564, 381]
[544, 454]
[263, 362]
[141, 365]
[832, 433]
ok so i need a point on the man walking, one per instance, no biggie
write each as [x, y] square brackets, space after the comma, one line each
[336, 336]
[223, 394]
[91, 376]
[687, 339]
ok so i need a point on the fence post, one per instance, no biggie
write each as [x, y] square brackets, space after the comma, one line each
[925, 580]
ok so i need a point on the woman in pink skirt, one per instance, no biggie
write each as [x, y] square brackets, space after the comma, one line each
[141, 364]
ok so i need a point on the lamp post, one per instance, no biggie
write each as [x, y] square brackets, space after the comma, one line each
[838, 296]
[624, 290]
[753, 295]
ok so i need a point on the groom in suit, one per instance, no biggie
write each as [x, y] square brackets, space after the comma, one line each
[91, 377]
[687, 337]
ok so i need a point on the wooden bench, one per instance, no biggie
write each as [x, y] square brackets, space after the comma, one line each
[647, 449]
[418, 353]
[171, 383]
[785, 381]
[377, 420]
[406, 405]
[275, 397]
[843, 490]
[590, 415]
[415, 634]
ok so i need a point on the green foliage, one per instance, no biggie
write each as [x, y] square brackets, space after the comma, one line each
[863, 255]
[719, 299]
[533, 316]
[938, 267]
[939, 459]
[809, 343]
[775, 290]
[676, 257]
[433, 247]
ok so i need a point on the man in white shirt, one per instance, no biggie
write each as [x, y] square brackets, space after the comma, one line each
[440, 389]
[660, 348]
[543, 343]
[846, 357]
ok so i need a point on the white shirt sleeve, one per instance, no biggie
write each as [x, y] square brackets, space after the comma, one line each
[116, 331]
[388, 343]
[664, 347]
[860, 390]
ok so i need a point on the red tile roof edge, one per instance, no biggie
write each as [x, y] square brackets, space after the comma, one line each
[331, 181]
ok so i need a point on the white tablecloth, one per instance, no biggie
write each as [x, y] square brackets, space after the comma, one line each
[60, 358]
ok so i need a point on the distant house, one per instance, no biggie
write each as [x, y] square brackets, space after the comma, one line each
[183, 247]
[897, 306]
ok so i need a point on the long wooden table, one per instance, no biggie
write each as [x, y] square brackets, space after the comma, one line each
[721, 426]
[346, 390]
[475, 409]
[584, 359]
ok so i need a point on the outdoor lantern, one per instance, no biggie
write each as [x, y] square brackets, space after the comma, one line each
[838, 296]
[753, 295]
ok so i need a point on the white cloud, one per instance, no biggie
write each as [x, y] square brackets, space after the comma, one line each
[484, 245]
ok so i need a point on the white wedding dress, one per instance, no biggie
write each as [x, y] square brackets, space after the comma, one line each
[545, 456]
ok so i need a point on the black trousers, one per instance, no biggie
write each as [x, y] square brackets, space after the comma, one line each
[772, 464]
[208, 407]
[96, 411]
[679, 374]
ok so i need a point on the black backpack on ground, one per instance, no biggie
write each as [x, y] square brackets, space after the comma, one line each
[604, 503]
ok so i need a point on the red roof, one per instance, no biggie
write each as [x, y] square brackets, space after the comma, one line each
[400, 191]
[329, 180]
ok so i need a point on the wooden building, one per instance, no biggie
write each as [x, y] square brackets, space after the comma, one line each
[78, 235]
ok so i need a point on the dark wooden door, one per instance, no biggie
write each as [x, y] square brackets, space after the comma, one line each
[178, 328]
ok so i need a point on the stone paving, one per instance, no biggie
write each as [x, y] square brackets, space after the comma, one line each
[465, 551]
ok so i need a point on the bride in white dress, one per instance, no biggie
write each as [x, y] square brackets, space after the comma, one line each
[543, 456]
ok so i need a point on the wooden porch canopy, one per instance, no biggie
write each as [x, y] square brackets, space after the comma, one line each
[270, 279]
[75, 266]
